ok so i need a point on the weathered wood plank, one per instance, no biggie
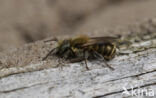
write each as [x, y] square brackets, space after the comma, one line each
[73, 80]
[135, 66]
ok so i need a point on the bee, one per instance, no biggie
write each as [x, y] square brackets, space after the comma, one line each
[82, 48]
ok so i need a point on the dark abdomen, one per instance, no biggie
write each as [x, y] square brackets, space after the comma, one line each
[108, 51]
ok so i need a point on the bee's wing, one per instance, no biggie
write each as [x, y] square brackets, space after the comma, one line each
[100, 40]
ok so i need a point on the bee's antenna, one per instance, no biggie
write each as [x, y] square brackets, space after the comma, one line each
[48, 54]
[54, 39]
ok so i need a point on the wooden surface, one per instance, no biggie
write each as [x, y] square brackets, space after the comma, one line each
[135, 67]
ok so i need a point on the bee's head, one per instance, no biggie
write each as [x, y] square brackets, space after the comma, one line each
[63, 46]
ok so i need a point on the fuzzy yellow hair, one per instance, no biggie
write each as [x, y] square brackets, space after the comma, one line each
[82, 39]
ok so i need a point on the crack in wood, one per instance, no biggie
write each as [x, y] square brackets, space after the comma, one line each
[13, 90]
[116, 92]
[137, 75]
[22, 88]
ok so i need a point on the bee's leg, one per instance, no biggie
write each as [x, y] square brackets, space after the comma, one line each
[99, 55]
[60, 64]
[48, 54]
[85, 58]
[76, 60]
[108, 64]
[72, 51]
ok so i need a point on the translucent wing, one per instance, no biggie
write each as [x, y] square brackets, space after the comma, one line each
[100, 40]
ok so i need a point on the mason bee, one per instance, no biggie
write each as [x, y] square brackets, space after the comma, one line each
[83, 48]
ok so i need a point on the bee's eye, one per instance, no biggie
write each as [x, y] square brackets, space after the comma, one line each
[66, 44]
[64, 47]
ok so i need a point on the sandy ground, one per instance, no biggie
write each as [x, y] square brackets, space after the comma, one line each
[27, 21]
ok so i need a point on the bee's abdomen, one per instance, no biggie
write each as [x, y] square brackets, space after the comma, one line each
[108, 51]
[93, 48]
